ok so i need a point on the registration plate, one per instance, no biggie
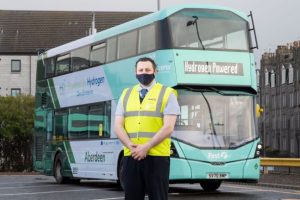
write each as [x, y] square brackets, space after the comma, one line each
[217, 175]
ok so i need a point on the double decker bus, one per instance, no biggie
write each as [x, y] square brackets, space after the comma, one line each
[204, 52]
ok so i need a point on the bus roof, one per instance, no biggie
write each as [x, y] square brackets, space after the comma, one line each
[131, 25]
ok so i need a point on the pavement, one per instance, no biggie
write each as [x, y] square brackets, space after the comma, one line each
[280, 180]
[277, 180]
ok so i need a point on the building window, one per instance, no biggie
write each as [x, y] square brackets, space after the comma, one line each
[283, 121]
[267, 100]
[273, 101]
[15, 65]
[274, 123]
[15, 91]
[291, 100]
[272, 79]
[290, 74]
[284, 144]
[283, 74]
[266, 77]
[283, 100]
[257, 77]
[292, 147]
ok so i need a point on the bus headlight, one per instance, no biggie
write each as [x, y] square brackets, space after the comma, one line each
[258, 150]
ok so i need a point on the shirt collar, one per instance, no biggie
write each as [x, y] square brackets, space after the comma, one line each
[148, 87]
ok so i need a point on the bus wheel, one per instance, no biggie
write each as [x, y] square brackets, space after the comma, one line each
[58, 169]
[120, 172]
[210, 185]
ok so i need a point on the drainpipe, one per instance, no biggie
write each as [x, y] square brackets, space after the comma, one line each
[30, 76]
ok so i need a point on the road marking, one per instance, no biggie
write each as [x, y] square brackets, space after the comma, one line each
[116, 198]
[111, 198]
[290, 199]
[253, 188]
[48, 192]
[23, 182]
[4, 188]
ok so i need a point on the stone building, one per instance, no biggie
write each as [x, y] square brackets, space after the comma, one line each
[24, 33]
[279, 95]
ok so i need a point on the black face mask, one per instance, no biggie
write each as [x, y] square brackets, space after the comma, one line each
[145, 79]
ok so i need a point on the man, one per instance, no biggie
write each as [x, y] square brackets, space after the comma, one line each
[145, 118]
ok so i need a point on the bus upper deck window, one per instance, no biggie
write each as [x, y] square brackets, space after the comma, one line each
[111, 49]
[98, 52]
[209, 29]
[49, 66]
[62, 64]
[127, 45]
[147, 39]
[80, 58]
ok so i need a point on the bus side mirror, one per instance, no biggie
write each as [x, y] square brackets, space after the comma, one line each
[259, 110]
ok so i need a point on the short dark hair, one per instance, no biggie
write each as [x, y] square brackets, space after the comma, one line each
[145, 59]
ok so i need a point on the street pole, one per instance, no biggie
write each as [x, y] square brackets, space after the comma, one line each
[158, 5]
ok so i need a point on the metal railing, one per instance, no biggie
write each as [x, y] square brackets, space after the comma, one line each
[279, 162]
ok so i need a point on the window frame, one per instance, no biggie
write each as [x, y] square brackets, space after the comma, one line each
[69, 63]
[92, 50]
[15, 89]
[118, 44]
[46, 66]
[11, 66]
[139, 38]
[71, 57]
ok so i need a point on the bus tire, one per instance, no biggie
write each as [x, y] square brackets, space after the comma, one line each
[58, 170]
[120, 171]
[210, 185]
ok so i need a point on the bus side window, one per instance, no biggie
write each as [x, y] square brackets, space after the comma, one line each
[111, 49]
[78, 122]
[62, 64]
[61, 125]
[127, 45]
[80, 58]
[98, 54]
[50, 66]
[49, 125]
[147, 41]
[99, 120]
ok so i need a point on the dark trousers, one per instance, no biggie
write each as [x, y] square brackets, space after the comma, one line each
[150, 175]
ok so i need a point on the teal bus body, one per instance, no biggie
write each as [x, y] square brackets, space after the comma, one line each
[215, 136]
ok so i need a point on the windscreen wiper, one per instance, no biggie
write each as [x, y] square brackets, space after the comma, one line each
[210, 115]
[193, 22]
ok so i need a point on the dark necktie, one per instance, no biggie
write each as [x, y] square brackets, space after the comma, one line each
[143, 93]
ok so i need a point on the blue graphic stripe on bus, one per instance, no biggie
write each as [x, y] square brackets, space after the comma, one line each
[95, 81]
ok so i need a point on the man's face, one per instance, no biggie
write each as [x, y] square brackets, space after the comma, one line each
[144, 68]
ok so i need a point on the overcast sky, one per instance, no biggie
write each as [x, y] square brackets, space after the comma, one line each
[276, 21]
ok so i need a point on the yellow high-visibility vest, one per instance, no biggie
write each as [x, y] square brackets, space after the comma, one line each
[143, 120]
